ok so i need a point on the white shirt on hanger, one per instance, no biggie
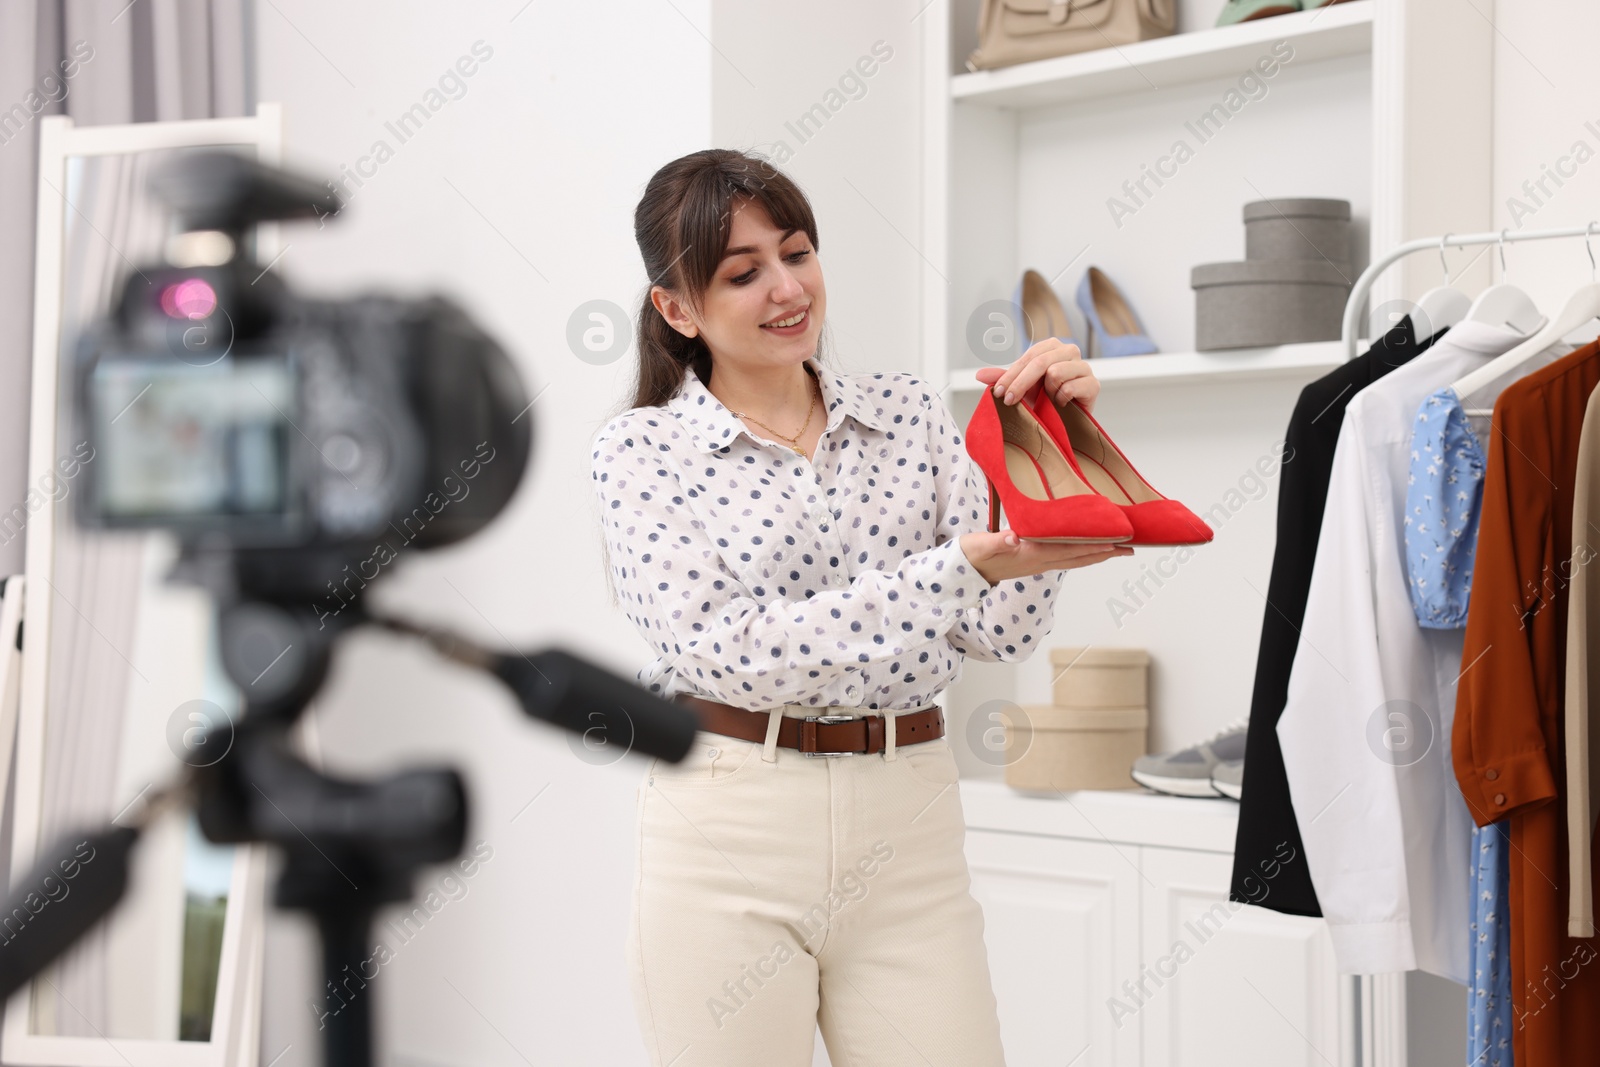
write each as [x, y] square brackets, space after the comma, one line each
[1366, 730]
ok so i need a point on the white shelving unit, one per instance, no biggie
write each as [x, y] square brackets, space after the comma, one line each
[1235, 364]
[1055, 165]
[1341, 30]
[1058, 165]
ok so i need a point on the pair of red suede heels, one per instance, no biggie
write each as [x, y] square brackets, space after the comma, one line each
[1060, 477]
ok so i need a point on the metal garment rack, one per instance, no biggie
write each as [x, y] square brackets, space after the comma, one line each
[1349, 334]
[1373, 1007]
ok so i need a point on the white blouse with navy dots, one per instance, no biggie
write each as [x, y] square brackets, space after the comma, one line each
[761, 578]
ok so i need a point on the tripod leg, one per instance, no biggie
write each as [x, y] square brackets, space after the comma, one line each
[347, 1034]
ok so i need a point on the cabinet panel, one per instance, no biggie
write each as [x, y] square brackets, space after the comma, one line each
[1222, 983]
[1062, 927]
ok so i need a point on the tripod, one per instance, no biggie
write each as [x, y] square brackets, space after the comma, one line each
[350, 847]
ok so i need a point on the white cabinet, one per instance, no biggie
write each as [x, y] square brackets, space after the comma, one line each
[1112, 940]
[1061, 919]
[1217, 970]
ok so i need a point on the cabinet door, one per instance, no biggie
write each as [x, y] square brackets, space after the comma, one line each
[1062, 927]
[1222, 983]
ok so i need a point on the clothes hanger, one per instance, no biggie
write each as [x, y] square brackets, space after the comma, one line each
[1581, 307]
[1505, 305]
[1440, 307]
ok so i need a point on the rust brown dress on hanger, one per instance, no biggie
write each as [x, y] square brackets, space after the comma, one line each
[1507, 736]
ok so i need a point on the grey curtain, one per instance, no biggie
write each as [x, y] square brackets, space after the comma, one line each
[151, 60]
[101, 63]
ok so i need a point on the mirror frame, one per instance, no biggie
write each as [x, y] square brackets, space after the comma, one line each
[236, 1014]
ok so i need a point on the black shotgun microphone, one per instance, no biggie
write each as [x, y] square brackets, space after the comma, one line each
[72, 887]
[571, 692]
[574, 694]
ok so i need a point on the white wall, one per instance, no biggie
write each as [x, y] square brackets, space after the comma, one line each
[534, 170]
[860, 167]
[553, 141]
[1546, 101]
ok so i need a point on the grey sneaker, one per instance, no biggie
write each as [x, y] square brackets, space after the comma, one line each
[1228, 778]
[1188, 773]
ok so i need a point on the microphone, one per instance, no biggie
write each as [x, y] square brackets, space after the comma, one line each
[573, 693]
[71, 888]
[604, 709]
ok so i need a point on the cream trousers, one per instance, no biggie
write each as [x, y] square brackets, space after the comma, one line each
[777, 893]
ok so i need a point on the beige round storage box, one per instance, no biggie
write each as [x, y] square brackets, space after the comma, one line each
[1100, 677]
[1064, 749]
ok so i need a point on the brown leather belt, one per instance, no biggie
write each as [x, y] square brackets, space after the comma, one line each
[818, 735]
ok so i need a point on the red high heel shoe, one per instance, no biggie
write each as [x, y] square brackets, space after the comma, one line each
[1156, 519]
[1044, 494]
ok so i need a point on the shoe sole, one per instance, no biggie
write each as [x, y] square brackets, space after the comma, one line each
[1232, 792]
[1178, 787]
[1268, 12]
[1079, 540]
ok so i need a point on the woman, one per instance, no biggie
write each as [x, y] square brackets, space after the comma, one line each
[797, 542]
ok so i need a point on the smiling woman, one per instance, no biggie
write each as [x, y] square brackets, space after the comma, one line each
[805, 551]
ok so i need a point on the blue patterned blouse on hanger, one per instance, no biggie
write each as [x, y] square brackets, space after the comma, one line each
[1444, 497]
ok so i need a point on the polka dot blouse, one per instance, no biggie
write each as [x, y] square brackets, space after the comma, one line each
[761, 578]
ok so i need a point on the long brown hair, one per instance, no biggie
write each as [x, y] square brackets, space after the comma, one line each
[682, 225]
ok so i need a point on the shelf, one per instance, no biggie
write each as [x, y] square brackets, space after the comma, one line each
[1221, 52]
[1231, 364]
[1126, 816]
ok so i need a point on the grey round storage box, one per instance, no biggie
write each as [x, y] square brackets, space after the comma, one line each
[1298, 228]
[1257, 303]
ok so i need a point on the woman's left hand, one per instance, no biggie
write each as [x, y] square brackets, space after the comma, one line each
[1051, 364]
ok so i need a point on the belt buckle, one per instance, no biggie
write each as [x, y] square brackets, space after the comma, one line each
[829, 719]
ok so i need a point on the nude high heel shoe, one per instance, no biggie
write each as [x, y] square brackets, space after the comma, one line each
[1039, 310]
[1044, 495]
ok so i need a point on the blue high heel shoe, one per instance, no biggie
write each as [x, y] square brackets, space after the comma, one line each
[1114, 330]
[1038, 310]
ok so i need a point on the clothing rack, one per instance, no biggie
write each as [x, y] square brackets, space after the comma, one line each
[1349, 335]
[1373, 1006]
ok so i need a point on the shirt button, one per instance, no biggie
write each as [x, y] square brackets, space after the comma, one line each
[851, 690]
[1500, 798]
[712, 752]
[1491, 774]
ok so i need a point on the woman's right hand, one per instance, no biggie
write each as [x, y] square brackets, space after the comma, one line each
[1002, 555]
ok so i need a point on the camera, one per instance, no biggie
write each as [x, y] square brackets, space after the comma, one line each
[294, 447]
[305, 441]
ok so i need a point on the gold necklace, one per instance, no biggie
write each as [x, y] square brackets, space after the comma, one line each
[816, 391]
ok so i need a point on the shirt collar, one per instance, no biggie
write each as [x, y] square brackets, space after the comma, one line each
[711, 426]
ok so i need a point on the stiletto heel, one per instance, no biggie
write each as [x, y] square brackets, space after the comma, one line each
[1029, 474]
[1156, 519]
[1039, 310]
[1114, 330]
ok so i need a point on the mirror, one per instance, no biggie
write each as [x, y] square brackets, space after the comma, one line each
[117, 698]
[126, 652]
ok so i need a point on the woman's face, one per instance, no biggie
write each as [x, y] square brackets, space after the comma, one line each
[765, 302]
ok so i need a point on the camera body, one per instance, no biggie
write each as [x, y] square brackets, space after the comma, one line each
[298, 438]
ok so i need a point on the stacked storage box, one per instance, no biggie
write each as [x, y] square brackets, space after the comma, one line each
[1093, 730]
[1292, 284]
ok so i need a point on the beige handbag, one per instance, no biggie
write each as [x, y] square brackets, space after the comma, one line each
[1017, 31]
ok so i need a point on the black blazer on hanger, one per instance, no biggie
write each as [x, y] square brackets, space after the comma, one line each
[1269, 866]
